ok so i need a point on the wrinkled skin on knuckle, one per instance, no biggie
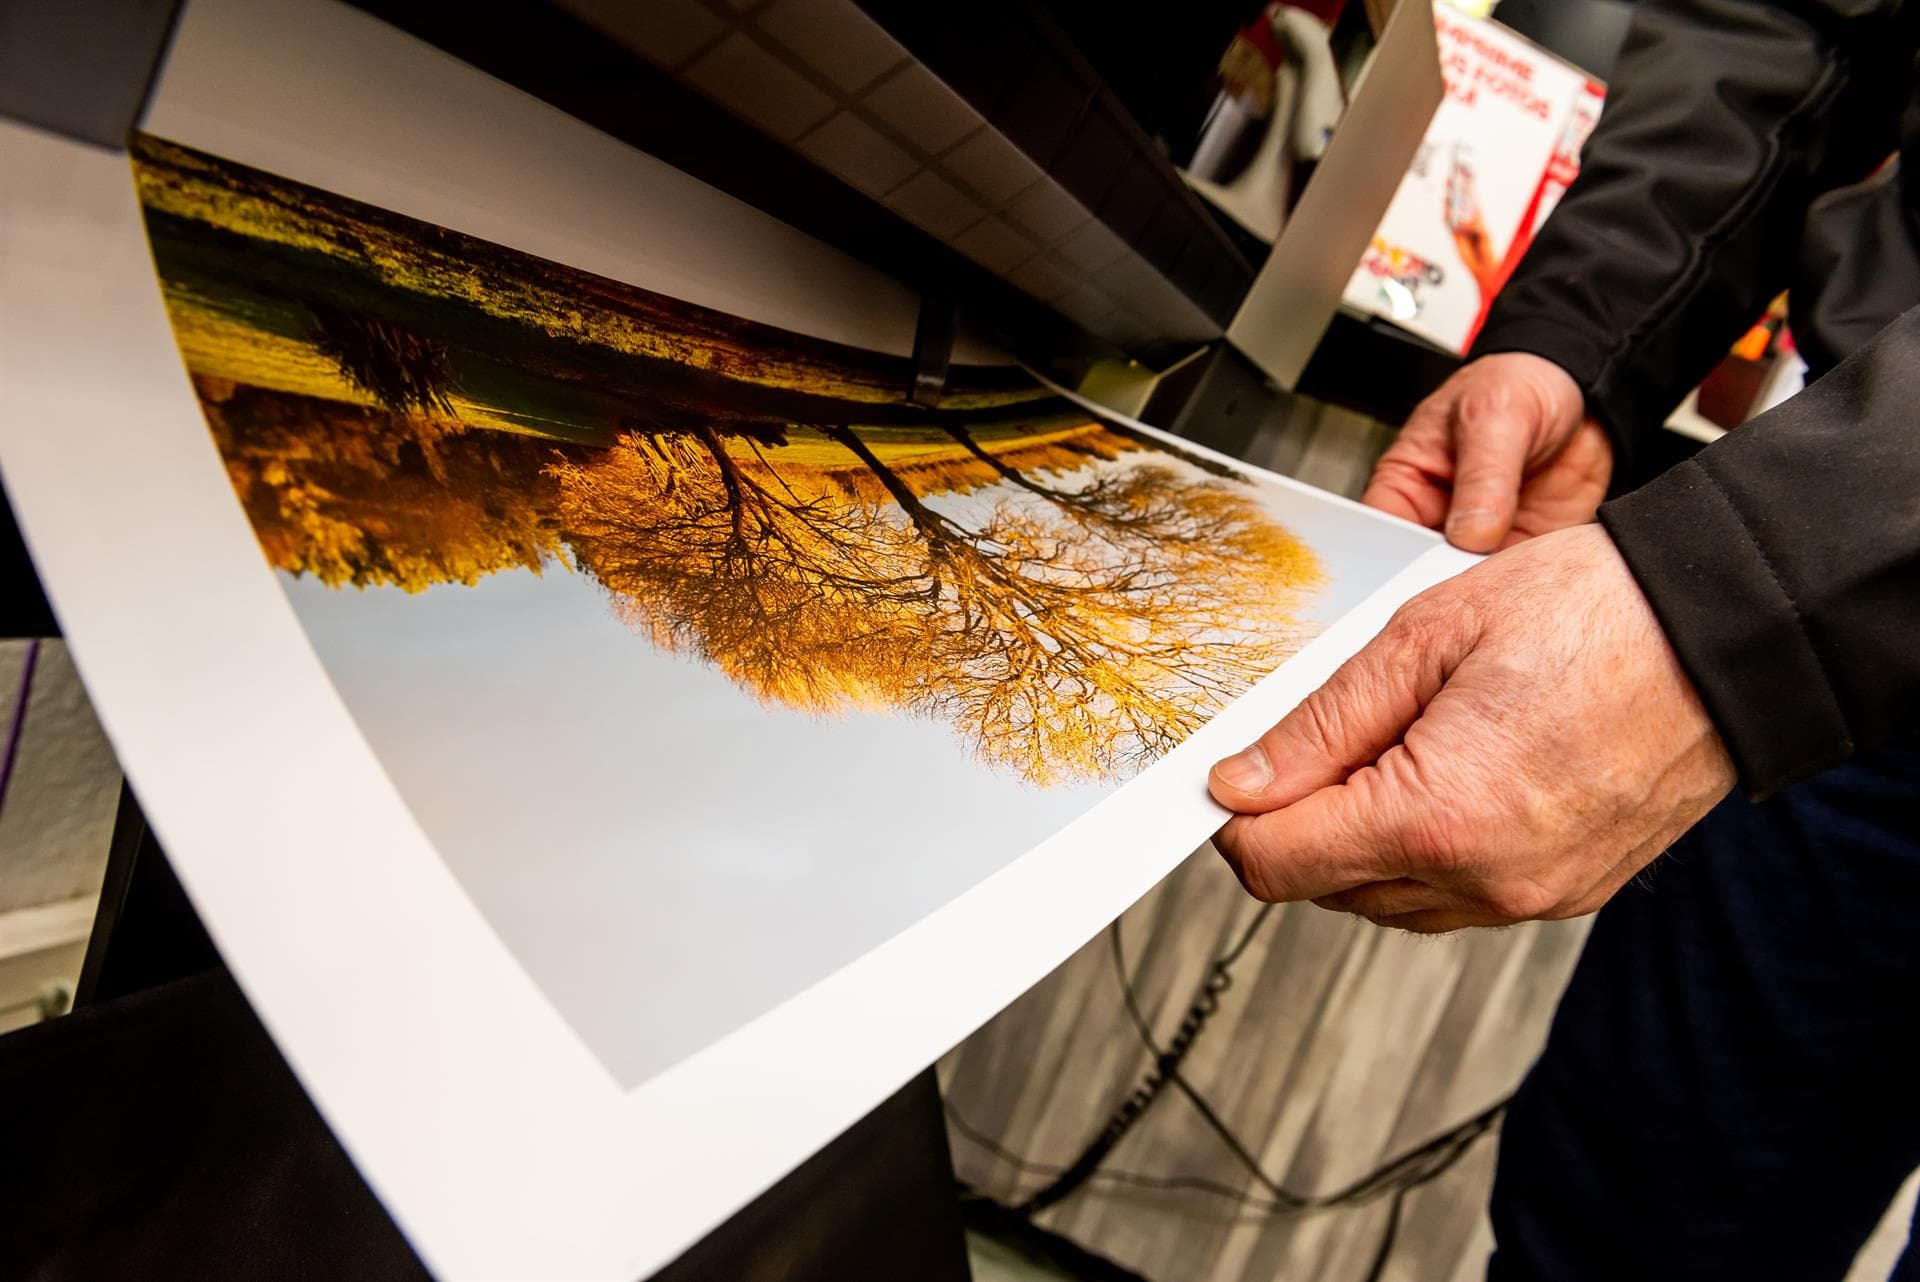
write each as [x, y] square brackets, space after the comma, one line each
[1467, 840]
[1591, 902]
[1492, 813]
[1445, 619]
[1482, 400]
[1413, 477]
[1417, 630]
[1374, 817]
[1439, 839]
[1321, 718]
[1420, 837]
[1546, 394]
[1238, 844]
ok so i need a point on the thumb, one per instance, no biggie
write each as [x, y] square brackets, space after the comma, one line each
[1490, 450]
[1346, 724]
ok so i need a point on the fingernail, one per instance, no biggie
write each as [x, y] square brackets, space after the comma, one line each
[1247, 771]
[1468, 516]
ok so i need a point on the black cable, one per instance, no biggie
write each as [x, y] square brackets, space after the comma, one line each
[1409, 1170]
[1385, 1252]
[1445, 1149]
[1218, 981]
[1133, 1179]
[1165, 1068]
[1024, 1165]
[1369, 1186]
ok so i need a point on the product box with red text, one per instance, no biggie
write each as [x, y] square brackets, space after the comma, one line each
[1499, 154]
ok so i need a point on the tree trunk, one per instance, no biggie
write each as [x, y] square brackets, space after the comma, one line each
[932, 526]
[729, 477]
[1006, 471]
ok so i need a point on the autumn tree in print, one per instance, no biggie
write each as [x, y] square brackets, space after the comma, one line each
[800, 594]
[403, 407]
[1084, 634]
[366, 498]
[1067, 653]
[1064, 632]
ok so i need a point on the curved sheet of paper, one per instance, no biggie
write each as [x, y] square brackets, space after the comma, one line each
[555, 652]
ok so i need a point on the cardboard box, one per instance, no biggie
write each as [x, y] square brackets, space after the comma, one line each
[1498, 155]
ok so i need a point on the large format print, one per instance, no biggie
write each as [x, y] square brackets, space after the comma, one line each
[707, 657]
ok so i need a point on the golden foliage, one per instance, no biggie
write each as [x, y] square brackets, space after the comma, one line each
[1066, 624]
[1069, 599]
[359, 496]
[1085, 643]
[1075, 633]
[796, 594]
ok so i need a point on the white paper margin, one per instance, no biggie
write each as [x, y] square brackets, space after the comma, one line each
[492, 1134]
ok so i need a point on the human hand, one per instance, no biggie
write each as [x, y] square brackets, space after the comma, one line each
[1515, 744]
[1503, 451]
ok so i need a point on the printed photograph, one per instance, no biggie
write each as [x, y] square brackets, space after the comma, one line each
[707, 656]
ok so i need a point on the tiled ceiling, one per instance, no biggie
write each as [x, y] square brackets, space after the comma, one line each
[825, 79]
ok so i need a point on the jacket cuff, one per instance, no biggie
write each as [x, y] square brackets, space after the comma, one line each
[1738, 633]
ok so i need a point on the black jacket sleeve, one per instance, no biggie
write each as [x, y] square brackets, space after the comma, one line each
[1784, 564]
[1725, 119]
[1784, 561]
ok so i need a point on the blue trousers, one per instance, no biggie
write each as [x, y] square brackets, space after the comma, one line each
[1731, 1088]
